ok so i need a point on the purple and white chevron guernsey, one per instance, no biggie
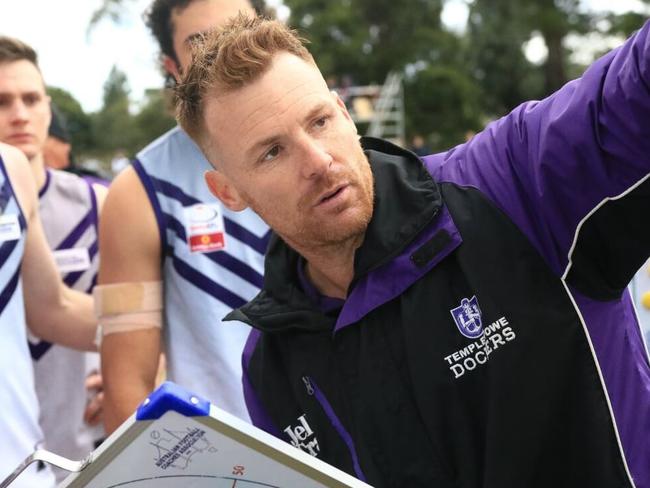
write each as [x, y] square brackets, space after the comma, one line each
[203, 354]
[20, 432]
[69, 213]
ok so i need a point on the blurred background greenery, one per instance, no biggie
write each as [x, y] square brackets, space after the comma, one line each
[456, 77]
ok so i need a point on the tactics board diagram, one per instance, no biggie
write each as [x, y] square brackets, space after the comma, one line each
[209, 448]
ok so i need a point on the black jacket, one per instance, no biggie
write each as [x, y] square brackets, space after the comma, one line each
[487, 339]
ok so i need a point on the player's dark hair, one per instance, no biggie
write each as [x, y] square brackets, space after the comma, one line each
[158, 18]
[12, 49]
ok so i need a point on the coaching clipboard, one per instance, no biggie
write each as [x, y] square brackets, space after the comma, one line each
[176, 439]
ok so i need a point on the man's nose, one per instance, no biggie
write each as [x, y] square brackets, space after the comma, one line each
[317, 158]
[19, 112]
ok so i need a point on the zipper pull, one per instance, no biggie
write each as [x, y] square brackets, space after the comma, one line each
[307, 381]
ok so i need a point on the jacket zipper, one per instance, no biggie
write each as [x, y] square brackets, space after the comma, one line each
[313, 390]
[307, 382]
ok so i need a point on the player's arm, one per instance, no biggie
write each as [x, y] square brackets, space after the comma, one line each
[129, 246]
[54, 312]
[93, 414]
[101, 192]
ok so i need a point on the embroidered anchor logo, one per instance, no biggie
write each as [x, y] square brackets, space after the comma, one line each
[467, 317]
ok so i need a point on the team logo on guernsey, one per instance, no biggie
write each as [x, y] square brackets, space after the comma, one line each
[205, 228]
[468, 318]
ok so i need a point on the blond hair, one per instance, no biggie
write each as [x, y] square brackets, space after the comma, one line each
[227, 59]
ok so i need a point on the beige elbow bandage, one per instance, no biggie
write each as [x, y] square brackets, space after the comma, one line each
[123, 307]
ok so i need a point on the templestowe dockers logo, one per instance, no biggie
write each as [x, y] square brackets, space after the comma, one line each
[468, 318]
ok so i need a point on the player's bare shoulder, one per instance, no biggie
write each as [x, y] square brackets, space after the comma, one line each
[129, 239]
[127, 201]
[101, 192]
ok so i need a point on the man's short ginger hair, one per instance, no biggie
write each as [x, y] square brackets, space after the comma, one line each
[230, 58]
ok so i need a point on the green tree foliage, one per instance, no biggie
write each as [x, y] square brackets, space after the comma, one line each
[113, 127]
[454, 82]
[367, 39]
[498, 30]
[77, 121]
[626, 23]
[154, 118]
[108, 9]
[496, 59]
[364, 40]
[444, 103]
[555, 20]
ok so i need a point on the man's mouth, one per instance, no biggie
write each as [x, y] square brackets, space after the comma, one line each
[21, 136]
[332, 194]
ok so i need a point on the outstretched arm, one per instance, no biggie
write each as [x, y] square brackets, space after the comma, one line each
[572, 171]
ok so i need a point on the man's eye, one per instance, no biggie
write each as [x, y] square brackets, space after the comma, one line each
[271, 153]
[321, 122]
[30, 100]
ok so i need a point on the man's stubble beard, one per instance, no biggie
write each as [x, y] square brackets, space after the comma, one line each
[316, 235]
[308, 234]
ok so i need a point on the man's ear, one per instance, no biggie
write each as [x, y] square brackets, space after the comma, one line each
[222, 188]
[171, 66]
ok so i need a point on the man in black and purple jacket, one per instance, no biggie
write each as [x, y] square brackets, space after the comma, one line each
[459, 323]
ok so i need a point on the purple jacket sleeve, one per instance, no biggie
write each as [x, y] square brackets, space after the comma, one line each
[552, 165]
[258, 414]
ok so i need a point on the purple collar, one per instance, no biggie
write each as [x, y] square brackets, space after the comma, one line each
[324, 303]
[46, 184]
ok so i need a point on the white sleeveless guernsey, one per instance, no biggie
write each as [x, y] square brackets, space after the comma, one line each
[69, 214]
[20, 433]
[213, 261]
